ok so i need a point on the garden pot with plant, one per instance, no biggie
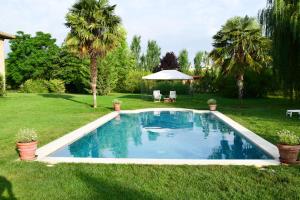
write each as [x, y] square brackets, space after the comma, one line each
[27, 144]
[212, 103]
[289, 146]
[117, 105]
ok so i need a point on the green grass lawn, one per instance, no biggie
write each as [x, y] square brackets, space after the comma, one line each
[55, 115]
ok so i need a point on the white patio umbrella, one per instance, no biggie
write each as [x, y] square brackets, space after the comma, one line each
[168, 75]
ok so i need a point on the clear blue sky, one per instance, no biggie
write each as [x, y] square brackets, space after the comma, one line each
[174, 24]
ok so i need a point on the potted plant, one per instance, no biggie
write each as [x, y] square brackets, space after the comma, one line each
[117, 104]
[27, 143]
[212, 103]
[289, 146]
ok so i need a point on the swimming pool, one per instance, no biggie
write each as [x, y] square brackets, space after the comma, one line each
[164, 136]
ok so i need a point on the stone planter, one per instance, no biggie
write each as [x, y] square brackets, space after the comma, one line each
[212, 107]
[27, 150]
[117, 106]
[288, 153]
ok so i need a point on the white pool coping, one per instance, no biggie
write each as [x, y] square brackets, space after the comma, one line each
[43, 152]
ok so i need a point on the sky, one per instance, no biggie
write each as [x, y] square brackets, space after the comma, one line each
[174, 24]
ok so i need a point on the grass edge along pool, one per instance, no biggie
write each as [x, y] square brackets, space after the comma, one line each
[265, 146]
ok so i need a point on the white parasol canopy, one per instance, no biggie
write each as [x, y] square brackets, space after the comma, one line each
[168, 75]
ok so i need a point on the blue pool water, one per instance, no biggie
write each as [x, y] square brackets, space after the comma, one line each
[164, 135]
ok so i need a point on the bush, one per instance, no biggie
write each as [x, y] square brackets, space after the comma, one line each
[256, 84]
[207, 83]
[35, 86]
[166, 87]
[56, 86]
[288, 138]
[26, 135]
[134, 82]
[2, 89]
[211, 102]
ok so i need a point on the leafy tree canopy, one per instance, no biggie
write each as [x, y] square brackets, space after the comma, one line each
[281, 21]
[135, 48]
[239, 45]
[183, 60]
[31, 57]
[168, 62]
[152, 57]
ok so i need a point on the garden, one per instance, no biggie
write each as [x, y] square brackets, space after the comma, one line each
[251, 75]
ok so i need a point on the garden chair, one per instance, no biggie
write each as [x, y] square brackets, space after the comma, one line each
[290, 112]
[172, 95]
[157, 96]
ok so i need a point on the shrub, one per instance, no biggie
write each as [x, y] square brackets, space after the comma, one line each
[2, 89]
[166, 87]
[35, 86]
[117, 101]
[207, 82]
[26, 135]
[134, 82]
[288, 138]
[211, 102]
[56, 86]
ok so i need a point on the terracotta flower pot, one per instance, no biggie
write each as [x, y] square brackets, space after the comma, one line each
[213, 107]
[27, 150]
[117, 106]
[288, 153]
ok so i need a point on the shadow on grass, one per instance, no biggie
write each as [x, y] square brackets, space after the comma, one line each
[104, 189]
[68, 97]
[5, 185]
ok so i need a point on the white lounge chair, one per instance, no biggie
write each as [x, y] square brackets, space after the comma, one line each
[157, 96]
[290, 112]
[172, 95]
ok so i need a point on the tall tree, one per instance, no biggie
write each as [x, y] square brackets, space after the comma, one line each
[31, 57]
[168, 62]
[152, 55]
[239, 46]
[135, 48]
[201, 60]
[281, 19]
[198, 62]
[94, 32]
[183, 60]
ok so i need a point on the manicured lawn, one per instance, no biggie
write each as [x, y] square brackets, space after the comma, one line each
[55, 115]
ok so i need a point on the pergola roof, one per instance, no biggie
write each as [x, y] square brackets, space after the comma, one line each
[168, 75]
[4, 35]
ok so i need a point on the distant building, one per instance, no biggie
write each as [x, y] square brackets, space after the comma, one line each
[3, 36]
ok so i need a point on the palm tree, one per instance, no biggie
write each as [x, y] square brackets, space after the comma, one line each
[239, 45]
[94, 31]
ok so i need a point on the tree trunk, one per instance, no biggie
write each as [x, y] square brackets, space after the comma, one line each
[94, 74]
[240, 85]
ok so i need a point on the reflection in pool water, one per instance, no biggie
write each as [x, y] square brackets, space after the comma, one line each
[164, 135]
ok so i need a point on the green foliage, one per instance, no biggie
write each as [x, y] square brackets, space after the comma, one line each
[31, 57]
[26, 135]
[168, 62]
[152, 58]
[2, 89]
[56, 86]
[207, 82]
[95, 31]
[114, 68]
[281, 19]
[201, 60]
[135, 48]
[183, 61]
[256, 84]
[166, 86]
[288, 138]
[134, 82]
[211, 102]
[117, 101]
[35, 86]
[239, 46]
[74, 71]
